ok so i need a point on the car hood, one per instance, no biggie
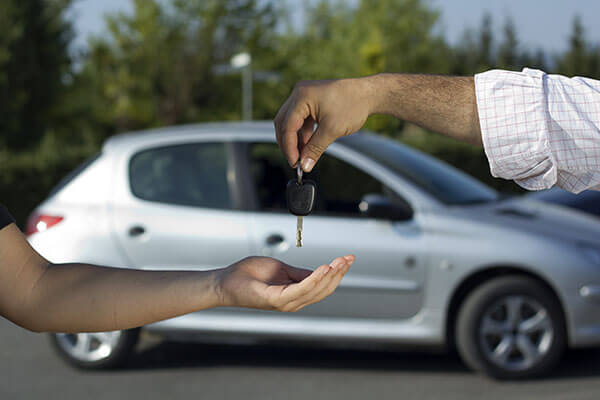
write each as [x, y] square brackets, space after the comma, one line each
[528, 215]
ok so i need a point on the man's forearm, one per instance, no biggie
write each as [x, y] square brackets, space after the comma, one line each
[443, 104]
[80, 297]
[340, 107]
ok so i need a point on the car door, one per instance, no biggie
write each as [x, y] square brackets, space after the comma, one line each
[174, 208]
[386, 281]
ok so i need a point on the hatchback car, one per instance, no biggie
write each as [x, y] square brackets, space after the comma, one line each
[441, 260]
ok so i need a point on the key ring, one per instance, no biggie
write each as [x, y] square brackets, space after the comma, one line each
[299, 172]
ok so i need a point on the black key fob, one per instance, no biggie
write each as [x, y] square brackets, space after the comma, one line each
[301, 196]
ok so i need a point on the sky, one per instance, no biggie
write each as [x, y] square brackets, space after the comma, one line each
[542, 24]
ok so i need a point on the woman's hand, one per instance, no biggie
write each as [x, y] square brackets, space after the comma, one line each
[266, 283]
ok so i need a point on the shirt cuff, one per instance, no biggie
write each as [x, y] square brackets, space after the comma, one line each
[513, 121]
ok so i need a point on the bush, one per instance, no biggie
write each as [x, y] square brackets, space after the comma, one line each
[27, 178]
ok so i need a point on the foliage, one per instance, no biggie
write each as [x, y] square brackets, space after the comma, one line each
[34, 68]
[582, 58]
[155, 67]
[161, 64]
[27, 177]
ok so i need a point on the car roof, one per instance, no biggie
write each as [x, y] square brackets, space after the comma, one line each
[229, 130]
[133, 138]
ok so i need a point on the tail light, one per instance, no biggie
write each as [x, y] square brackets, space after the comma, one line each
[41, 222]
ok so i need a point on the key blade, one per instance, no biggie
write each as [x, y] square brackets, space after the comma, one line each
[299, 232]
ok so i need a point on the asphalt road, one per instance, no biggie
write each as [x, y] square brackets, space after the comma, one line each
[161, 370]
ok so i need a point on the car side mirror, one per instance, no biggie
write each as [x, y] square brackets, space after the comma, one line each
[380, 207]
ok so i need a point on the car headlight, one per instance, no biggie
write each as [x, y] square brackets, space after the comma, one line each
[591, 253]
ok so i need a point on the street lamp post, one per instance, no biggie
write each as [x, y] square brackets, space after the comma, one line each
[243, 61]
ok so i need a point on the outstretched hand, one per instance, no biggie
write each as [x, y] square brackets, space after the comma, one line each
[267, 283]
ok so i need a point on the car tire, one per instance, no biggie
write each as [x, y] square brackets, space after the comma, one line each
[511, 328]
[100, 350]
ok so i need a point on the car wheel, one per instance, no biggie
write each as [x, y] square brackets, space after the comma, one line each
[96, 350]
[510, 328]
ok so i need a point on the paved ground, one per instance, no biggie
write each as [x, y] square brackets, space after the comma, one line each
[30, 370]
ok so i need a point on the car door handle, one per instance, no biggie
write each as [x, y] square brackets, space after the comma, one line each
[136, 230]
[274, 240]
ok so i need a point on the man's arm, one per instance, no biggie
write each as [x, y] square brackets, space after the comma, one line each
[340, 107]
[80, 298]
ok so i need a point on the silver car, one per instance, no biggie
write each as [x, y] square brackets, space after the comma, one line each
[442, 260]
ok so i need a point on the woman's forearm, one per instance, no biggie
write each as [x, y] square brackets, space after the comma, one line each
[80, 297]
[40, 296]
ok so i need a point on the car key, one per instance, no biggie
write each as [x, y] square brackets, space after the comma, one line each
[300, 196]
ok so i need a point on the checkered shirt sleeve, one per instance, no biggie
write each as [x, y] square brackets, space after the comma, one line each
[540, 129]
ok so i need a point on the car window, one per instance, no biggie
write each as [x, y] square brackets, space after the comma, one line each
[190, 175]
[340, 186]
[70, 177]
[435, 177]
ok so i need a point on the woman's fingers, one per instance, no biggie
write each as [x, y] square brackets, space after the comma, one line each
[297, 274]
[325, 289]
[298, 290]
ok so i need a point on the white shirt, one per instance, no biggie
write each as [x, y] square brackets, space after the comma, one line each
[540, 129]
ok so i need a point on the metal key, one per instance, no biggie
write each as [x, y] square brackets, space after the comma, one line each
[299, 231]
[300, 196]
[300, 219]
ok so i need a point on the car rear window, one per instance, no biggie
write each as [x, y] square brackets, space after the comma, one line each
[73, 174]
[190, 175]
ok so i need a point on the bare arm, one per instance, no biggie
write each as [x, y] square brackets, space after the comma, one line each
[80, 298]
[340, 107]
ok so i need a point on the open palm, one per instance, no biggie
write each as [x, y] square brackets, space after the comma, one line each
[267, 283]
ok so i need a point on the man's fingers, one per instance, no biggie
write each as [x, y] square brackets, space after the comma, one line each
[306, 132]
[292, 122]
[316, 146]
[278, 121]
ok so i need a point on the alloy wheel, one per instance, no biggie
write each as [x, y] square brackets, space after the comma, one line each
[515, 332]
[89, 346]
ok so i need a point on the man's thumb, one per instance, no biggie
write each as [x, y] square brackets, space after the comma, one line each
[316, 146]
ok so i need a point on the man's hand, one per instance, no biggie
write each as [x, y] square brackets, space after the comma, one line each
[266, 283]
[444, 104]
[339, 107]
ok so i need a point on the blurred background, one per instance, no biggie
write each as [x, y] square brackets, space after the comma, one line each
[73, 73]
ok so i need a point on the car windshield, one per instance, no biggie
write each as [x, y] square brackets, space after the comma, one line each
[437, 178]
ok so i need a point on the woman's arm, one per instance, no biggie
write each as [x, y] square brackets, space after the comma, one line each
[40, 296]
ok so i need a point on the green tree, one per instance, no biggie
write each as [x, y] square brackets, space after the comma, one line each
[508, 50]
[35, 68]
[475, 51]
[341, 39]
[485, 57]
[155, 67]
[581, 58]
